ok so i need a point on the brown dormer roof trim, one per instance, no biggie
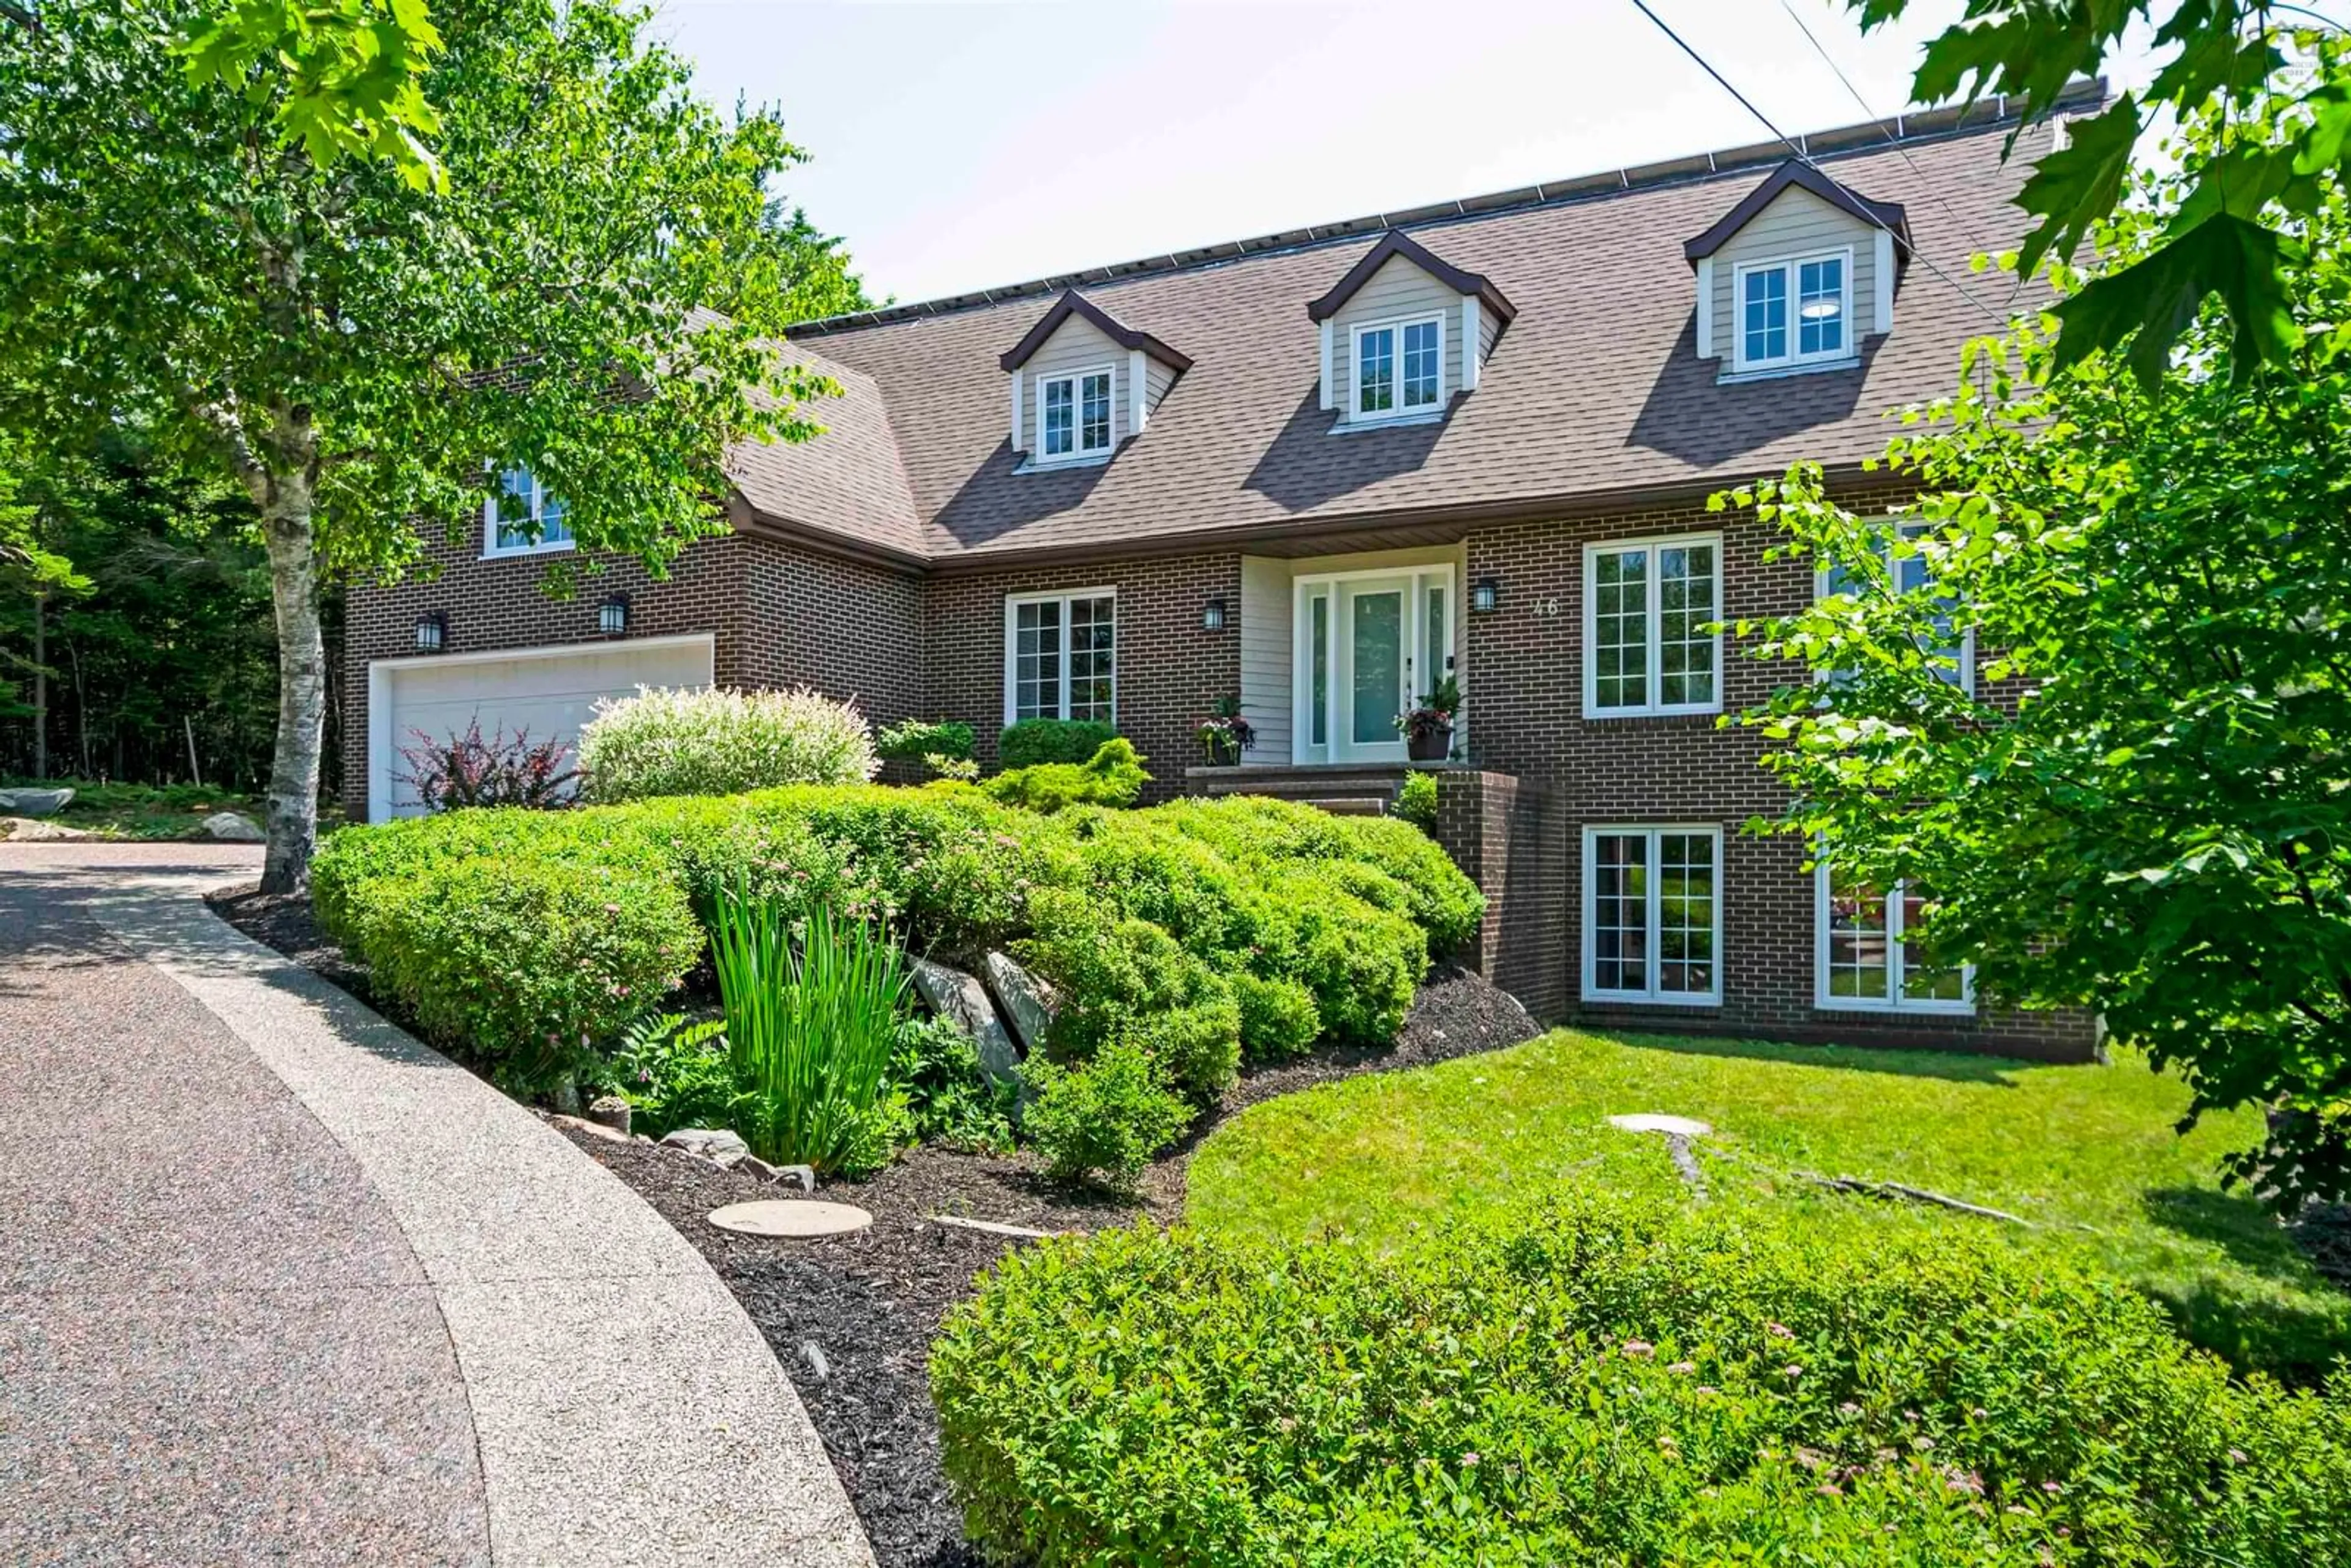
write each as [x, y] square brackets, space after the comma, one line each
[1073, 303]
[1887, 215]
[1394, 244]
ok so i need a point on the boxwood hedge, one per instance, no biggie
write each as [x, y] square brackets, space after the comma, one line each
[1199, 931]
[1598, 1383]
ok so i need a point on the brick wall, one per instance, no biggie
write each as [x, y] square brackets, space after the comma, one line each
[848, 628]
[1169, 667]
[1524, 684]
[1506, 834]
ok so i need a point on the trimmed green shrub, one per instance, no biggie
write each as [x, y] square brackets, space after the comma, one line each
[949, 1097]
[915, 739]
[721, 743]
[1111, 777]
[1278, 1018]
[1126, 981]
[1102, 1119]
[1035, 740]
[1605, 1381]
[523, 966]
[1416, 801]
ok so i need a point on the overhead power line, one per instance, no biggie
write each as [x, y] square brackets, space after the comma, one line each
[1806, 159]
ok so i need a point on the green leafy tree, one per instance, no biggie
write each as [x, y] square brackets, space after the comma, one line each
[2142, 803]
[2227, 235]
[592, 284]
[32, 573]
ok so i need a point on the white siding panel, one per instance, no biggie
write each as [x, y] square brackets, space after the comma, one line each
[1265, 657]
[1397, 289]
[1797, 223]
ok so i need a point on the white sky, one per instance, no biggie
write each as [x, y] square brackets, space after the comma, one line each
[959, 146]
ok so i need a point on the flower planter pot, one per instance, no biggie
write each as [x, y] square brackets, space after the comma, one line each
[1429, 745]
[1224, 754]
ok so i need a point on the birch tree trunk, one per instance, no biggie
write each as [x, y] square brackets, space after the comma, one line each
[293, 798]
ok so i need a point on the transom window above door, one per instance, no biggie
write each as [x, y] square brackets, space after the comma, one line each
[520, 517]
[1650, 607]
[1399, 368]
[1796, 311]
[1073, 415]
[1060, 655]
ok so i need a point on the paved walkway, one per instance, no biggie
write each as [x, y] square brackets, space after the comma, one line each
[279, 1283]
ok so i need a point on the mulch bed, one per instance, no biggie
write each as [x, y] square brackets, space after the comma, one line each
[871, 1303]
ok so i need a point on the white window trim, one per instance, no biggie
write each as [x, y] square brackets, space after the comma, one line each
[1845, 353]
[1355, 415]
[1080, 452]
[1894, 1001]
[1966, 638]
[1654, 619]
[1062, 596]
[491, 549]
[1651, 997]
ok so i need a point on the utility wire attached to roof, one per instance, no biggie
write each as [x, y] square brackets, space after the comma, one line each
[1806, 158]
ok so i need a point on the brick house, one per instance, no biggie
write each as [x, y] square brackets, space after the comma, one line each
[1316, 470]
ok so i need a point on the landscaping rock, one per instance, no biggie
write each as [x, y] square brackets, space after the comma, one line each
[801, 1176]
[1026, 1001]
[611, 1110]
[963, 1001]
[25, 830]
[582, 1125]
[230, 828]
[34, 802]
[713, 1143]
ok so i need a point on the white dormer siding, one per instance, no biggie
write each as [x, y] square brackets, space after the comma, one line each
[1798, 225]
[1400, 293]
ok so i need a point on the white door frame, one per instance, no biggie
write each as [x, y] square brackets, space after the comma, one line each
[381, 671]
[1417, 581]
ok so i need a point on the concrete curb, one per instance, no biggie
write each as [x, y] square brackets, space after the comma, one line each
[627, 1411]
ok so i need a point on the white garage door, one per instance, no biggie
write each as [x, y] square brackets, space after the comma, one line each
[546, 691]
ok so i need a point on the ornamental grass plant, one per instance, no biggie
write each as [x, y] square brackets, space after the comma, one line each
[809, 1029]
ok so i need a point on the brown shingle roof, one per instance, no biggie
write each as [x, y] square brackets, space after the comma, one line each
[1595, 395]
[848, 483]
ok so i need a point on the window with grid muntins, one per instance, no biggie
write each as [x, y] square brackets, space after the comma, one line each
[1794, 312]
[1865, 956]
[518, 502]
[1424, 361]
[1650, 634]
[1073, 415]
[1375, 371]
[1061, 658]
[1653, 914]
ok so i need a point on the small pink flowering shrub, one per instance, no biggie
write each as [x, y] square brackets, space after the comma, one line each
[464, 770]
[1602, 1382]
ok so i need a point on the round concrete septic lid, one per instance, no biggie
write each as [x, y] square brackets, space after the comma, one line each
[790, 1216]
[1648, 1122]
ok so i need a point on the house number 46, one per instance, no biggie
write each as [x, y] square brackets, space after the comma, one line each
[1546, 608]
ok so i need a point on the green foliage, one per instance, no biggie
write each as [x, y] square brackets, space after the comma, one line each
[1278, 1018]
[1590, 1381]
[2232, 235]
[1102, 1119]
[2159, 832]
[721, 742]
[1112, 777]
[949, 1097]
[520, 964]
[915, 739]
[1035, 740]
[673, 1073]
[1127, 981]
[810, 1029]
[1416, 801]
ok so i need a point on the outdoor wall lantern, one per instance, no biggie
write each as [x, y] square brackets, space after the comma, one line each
[613, 615]
[1484, 596]
[432, 632]
[1212, 616]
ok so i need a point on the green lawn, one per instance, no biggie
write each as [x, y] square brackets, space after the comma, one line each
[2087, 1153]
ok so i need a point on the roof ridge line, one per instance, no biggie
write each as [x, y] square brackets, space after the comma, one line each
[1904, 128]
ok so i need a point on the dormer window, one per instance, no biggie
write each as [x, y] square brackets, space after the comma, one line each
[1073, 414]
[1402, 332]
[1070, 403]
[1399, 368]
[520, 517]
[1795, 311]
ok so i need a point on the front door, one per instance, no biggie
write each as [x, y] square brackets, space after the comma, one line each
[1375, 667]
